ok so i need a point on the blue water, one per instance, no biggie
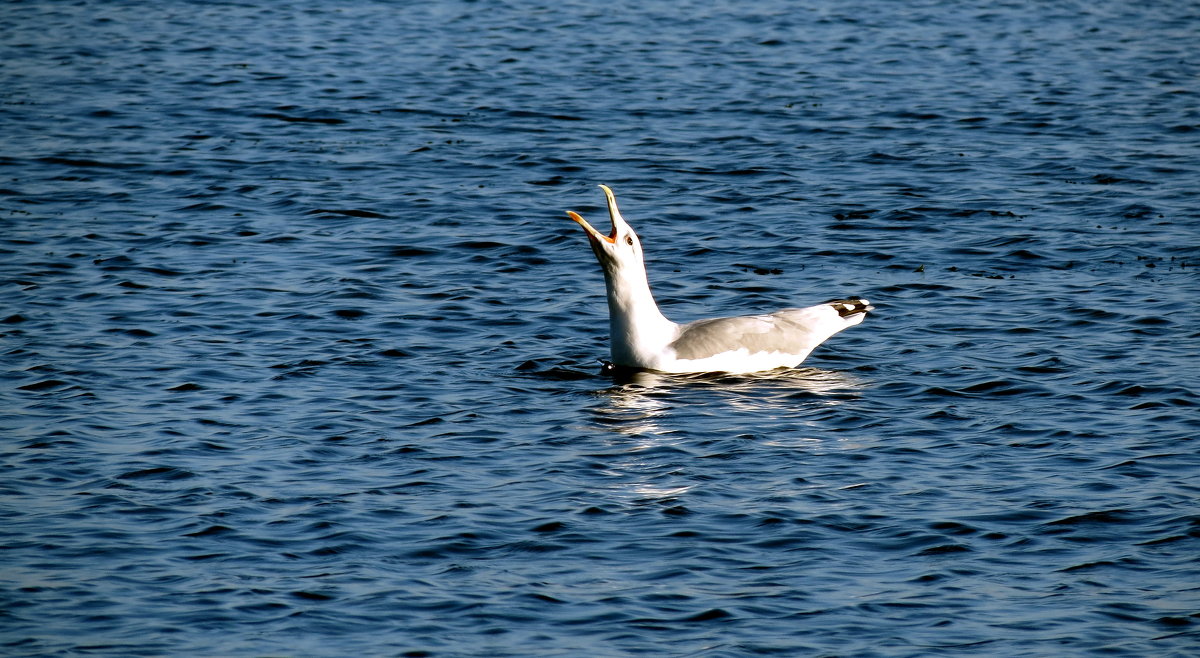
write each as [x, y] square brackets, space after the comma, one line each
[300, 351]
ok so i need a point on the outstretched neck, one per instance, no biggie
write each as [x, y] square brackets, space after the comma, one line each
[638, 330]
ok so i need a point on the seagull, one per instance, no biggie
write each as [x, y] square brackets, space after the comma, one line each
[642, 338]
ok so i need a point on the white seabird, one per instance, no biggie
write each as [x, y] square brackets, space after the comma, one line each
[641, 337]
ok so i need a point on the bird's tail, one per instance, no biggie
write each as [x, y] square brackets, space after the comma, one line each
[851, 307]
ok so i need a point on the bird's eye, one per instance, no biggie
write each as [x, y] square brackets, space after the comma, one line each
[629, 240]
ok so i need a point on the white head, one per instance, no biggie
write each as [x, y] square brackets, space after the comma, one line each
[620, 250]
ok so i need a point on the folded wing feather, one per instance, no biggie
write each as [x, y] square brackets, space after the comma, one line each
[790, 331]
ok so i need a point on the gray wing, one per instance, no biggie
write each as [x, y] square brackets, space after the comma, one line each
[790, 331]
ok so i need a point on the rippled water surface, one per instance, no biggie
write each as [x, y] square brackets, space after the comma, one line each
[300, 352]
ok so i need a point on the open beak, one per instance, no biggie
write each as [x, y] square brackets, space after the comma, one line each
[613, 214]
[611, 239]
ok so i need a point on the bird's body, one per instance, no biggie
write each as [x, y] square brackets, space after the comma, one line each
[641, 337]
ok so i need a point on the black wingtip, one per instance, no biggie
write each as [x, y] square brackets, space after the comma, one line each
[849, 307]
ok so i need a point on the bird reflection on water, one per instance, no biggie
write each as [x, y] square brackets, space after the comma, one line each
[639, 400]
[652, 451]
